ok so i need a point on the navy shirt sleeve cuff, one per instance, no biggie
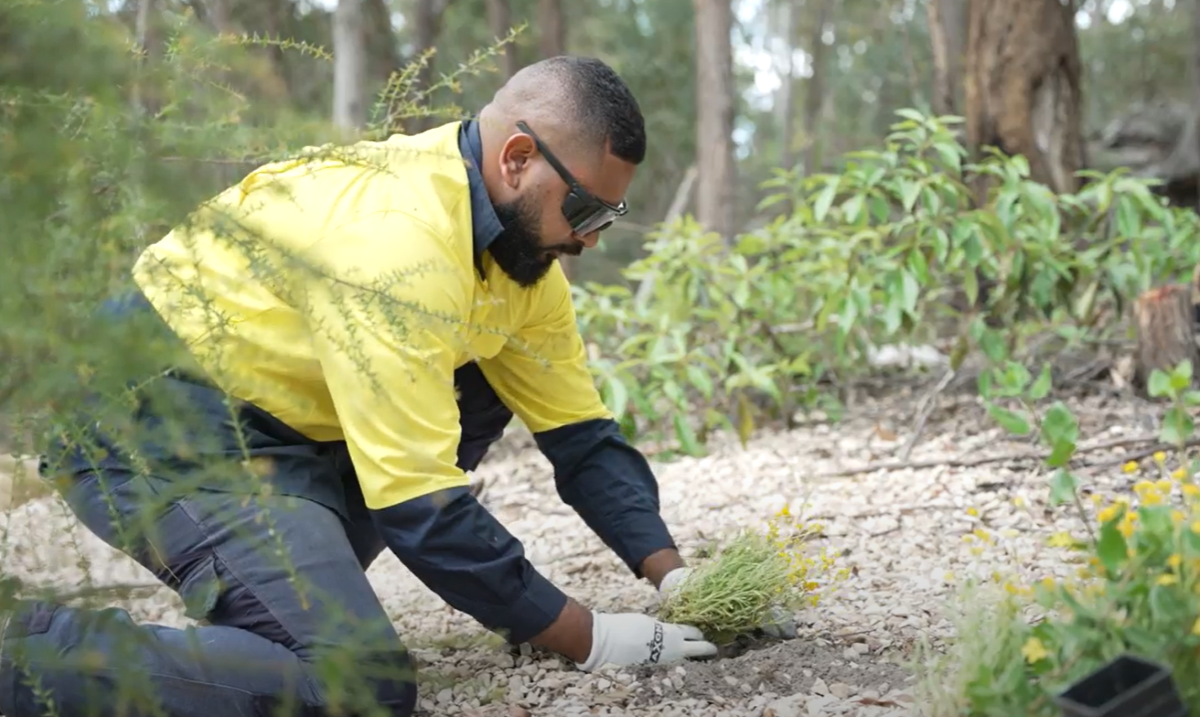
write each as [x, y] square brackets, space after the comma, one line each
[461, 552]
[610, 485]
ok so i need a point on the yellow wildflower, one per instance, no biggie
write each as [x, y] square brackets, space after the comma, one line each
[1196, 526]
[1019, 501]
[1167, 579]
[1048, 583]
[1152, 498]
[1175, 561]
[1196, 627]
[1130, 467]
[1160, 457]
[1109, 513]
[1034, 650]
[1061, 540]
[1143, 486]
[973, 512]
[1163, 485]
[1179, 473]
[1190, 490]
[1177, 516]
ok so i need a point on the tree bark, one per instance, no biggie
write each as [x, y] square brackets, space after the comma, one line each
[552, 42]
[948, 38]
[349, 66]
[384, 56]
[715, 111]
[553, 39]
[148, 41]
[787, 91]
[427, 26]
[1196, 89]
[1023, 92]
[1166, 334]
[500, 21]
[814, 96]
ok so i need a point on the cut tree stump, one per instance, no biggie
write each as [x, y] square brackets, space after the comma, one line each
[1166, 334]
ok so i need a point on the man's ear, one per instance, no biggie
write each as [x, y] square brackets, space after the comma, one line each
[515, 158]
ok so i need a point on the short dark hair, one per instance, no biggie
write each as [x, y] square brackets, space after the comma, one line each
[605, 109]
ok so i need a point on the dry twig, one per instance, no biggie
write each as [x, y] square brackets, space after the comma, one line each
[1013, 456]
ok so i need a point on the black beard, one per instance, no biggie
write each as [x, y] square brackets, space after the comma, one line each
[518, 250]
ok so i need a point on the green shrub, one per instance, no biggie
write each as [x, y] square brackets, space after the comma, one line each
[1137, 589]
[872, 255]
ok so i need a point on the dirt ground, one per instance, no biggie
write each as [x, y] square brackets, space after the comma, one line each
[901, 527]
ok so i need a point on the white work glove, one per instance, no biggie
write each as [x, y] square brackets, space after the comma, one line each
[630, 638]
[780, 624]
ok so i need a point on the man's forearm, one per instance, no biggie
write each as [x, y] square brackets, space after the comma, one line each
[570, 634]
[656, 567]
[460, 551]
[610, 485]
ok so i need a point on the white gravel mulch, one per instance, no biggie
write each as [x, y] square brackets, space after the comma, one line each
[902, 533]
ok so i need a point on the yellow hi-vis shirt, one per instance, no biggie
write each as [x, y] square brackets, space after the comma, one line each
[340, 292]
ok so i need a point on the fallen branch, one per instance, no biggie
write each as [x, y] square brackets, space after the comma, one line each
[1000, 458]
[927, 405]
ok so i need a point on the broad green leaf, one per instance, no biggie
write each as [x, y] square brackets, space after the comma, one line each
[700, 380]
[1061, 452]
[1041, 387]
[825, 198]
[1159, 384]
[1111, 549]
[879, 208]
[909, 191]
[971, 286]
[910, 291]
[1059, 424]
[1181, 377]
[1177, 425]
[1062, 487]
[618, 396]
[853, 208]
[745, 422]
[1011, 421]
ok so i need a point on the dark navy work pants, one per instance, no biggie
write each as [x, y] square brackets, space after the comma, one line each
[289, 623]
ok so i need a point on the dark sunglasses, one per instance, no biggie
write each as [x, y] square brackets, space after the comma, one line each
[585, 212]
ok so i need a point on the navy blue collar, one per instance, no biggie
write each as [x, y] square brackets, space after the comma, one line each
[485, 225]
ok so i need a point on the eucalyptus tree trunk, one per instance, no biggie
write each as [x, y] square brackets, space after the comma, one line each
[1023, 93]
[349, 66]
[714, 116]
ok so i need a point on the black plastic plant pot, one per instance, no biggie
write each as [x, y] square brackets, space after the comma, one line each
[1126, 687]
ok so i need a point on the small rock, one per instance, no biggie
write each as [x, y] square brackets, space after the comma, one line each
[786, 707]
[445, 697]
[840, 690]
[818, 706]
[819, 687]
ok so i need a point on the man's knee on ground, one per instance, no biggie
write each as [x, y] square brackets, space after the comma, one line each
[358, 681]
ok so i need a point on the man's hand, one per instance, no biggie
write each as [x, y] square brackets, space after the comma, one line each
[591, 639]
[780, 624]
[636, 639]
